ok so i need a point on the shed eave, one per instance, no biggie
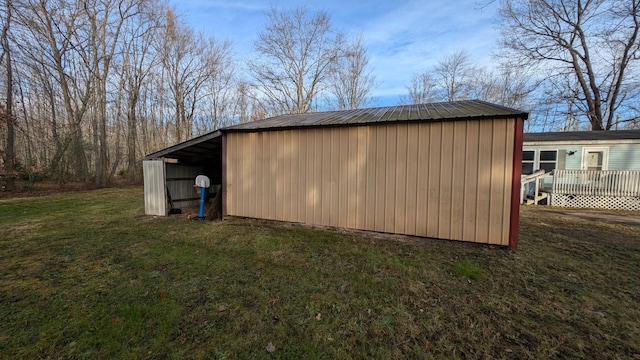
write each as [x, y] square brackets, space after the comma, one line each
[366, 123]
[432, 112]
[175, 149]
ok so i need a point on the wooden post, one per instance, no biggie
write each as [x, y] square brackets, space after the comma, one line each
[515, 183]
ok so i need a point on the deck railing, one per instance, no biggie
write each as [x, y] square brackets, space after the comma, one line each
[616, 183]
[530, 186]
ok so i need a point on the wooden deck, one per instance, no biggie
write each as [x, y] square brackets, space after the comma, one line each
[610, 189]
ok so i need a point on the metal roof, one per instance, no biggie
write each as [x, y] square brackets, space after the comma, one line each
[456, 110]
[207, 146]
[582, 135]
[197, 150]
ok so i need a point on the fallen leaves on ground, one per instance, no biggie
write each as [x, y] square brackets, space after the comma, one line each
[270, 347]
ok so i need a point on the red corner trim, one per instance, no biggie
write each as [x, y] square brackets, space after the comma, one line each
[514, 221]
[224, 175]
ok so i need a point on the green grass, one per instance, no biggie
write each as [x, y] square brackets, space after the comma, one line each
[468, 270]
[87, 275]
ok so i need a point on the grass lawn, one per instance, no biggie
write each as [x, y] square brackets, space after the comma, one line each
[88, 275]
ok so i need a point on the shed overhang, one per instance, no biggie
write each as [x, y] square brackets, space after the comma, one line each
[195, 151]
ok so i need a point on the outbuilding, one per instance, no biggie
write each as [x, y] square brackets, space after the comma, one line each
[440, 170]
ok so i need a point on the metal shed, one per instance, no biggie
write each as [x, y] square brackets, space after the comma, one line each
[440, 170]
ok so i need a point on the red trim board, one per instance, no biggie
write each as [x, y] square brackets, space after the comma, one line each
[514, 220]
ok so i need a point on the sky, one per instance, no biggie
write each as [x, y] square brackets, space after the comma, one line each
[402, 37]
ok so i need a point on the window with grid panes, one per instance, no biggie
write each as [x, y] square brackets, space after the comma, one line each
[548, 160]
[528, 162]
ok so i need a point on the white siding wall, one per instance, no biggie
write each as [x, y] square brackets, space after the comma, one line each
[622, 156]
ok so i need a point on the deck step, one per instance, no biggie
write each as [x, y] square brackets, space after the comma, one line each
[541, 196]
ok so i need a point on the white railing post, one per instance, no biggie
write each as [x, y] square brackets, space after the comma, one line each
[527, 179]
[598, 188]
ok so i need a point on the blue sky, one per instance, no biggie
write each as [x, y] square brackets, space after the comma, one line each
[403, 37]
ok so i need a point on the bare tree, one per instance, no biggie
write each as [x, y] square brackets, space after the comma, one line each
[455, 77]
[6, 110]
[594, 42]
[51, 34]
[295, 54]
[350, 80]
[106, 19]
[454, 72]
[634, 123]
[98, 83]
[190, 60]
[39, 109]
[247, 106]
[515, 87]
[422, 89]
[220, 90]
[503, 85]
[137, 61]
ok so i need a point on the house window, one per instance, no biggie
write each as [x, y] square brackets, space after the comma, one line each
[528, 162]
[548, 160]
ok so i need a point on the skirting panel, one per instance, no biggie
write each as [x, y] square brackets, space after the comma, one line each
[596, 202]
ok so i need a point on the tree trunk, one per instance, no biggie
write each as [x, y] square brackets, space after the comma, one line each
[9, 151]
[132, 136]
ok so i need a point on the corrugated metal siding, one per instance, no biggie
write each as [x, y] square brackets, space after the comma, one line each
[155, 201]
[180, 180]
[448, 180]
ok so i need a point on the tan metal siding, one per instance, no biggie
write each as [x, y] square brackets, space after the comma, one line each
[498, 181]
[470, 202]
[484, 183]
[412, 178]
[433, 187]
[448, 180]
[422, 210]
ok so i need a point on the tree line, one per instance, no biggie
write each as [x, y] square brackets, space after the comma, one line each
[91, 86]
[573, 64]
